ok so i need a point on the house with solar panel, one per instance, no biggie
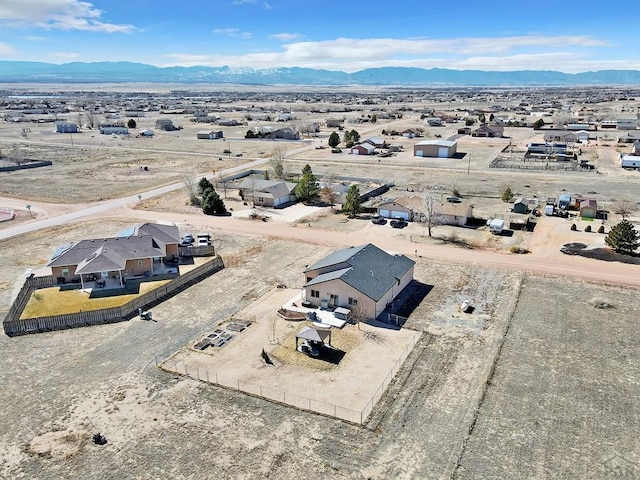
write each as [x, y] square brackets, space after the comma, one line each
[364, 278]
[142, 251]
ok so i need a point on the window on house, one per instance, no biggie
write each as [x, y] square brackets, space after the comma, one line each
[353, 302]
[65, 271]
[333, 300]
[139, 263]
[315, 294]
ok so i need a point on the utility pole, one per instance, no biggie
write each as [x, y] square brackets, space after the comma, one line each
[469, 166]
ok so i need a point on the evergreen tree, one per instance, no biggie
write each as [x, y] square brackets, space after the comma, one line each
[352, 202]
[307, 189]
[212, 204]
[334, 140]
[623, 238]
[132, 123]
[204, 185]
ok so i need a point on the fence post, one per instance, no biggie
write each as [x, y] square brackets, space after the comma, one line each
[198, 372]
[207, 375]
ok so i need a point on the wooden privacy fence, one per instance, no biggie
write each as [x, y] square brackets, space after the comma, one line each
[13, 325]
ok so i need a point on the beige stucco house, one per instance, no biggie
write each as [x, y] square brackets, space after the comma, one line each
[364, 278]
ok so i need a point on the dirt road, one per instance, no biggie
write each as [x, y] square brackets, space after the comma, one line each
[394, 241]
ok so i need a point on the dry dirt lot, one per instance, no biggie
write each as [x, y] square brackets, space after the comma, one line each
[563, 401]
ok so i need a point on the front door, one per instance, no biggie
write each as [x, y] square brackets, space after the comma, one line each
[104, 274]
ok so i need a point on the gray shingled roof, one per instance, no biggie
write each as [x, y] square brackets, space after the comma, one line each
[162, 234]
[108, 250]
[369, 269]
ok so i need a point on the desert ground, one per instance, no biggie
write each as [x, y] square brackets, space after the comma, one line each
[539, 381]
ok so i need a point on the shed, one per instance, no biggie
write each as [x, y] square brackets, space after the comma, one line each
[363, 149]
[588, 208]
[521, 205]
[435, 148]
[313, 335]
[66, 127]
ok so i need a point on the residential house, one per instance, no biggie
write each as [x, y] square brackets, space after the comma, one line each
[407, 208]
[464, 131]
[630, 137]
[267, 193]
[209, 134]
[488, 131]
[627, 124]
[435, 148]
[333, 122]
[410, 133]
[110, 128]
[141, 251]
[377, 142]
[286, 133]
[456, 214]
[165, 124]
[364, 278]
[560, 136]
[635, 149]
[363, 149]
[435, 122]
[227, 122]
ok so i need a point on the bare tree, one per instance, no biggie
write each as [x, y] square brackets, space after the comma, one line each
[277, 163]
[328, 192]
[90, 113]
[624, 207]
[192, 189]
[223, 183]
[432, 215]
[358, 316]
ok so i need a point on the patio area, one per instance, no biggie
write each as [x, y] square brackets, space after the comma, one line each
[323, 316]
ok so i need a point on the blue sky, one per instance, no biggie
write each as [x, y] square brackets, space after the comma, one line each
[348, 35]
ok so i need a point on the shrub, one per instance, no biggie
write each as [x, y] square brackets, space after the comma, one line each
[573, 227]
[517, 249]
[601, 229]
[507, 194]
[587, 228]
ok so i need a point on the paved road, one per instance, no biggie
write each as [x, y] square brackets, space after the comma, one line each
[100, 209]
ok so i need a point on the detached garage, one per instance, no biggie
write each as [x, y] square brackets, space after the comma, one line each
[435, 148]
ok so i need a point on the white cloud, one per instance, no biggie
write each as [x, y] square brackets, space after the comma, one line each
[266, 5]
[232, 32]
[285, 37]
[58, 14]
[563, 53]
[64, 55]
[6, 49]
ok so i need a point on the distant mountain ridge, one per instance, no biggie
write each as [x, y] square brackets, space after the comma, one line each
[121, 72]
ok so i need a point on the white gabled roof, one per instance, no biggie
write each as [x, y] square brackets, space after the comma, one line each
[439, 143]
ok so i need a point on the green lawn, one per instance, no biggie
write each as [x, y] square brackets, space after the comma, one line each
[56, 301]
